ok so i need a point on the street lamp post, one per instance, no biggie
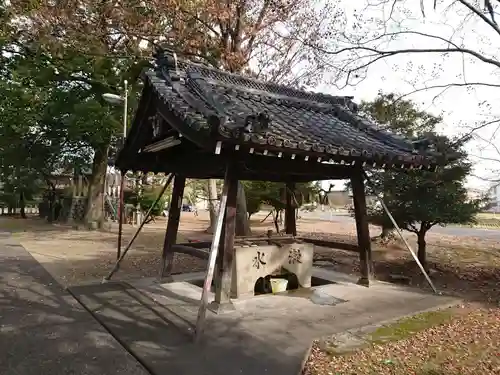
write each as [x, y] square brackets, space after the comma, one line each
[120, 100]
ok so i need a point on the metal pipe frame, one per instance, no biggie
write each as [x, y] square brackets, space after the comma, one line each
[146, 217]
[214, 249]
[400, 233]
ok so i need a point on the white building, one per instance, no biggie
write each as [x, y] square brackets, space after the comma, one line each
[493, 194]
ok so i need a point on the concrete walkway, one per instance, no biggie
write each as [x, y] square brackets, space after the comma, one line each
[44, 330]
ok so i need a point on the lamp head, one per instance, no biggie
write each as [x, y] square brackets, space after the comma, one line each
[113, 98]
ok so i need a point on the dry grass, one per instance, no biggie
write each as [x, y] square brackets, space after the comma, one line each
[467, 267]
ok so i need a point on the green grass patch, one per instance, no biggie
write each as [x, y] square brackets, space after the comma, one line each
[407, 327]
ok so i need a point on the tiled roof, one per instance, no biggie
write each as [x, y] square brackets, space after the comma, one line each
[238, 111]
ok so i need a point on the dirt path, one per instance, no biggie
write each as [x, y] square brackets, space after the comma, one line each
[75, 256]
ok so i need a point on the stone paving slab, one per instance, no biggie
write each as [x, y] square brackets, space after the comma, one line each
[45, 331]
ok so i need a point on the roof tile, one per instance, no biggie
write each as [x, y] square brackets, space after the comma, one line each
[260, 113]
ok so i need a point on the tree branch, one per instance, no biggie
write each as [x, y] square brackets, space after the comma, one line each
[448, 85]
[481, 15]
[412, 228]
[257, 25]
[390, 53]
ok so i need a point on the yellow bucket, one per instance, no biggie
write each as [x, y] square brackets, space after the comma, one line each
[279, 285]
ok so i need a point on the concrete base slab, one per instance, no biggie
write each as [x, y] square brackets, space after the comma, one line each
[221, 308]
[264, 334]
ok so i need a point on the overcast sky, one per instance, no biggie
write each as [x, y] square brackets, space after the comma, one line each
[461, 108]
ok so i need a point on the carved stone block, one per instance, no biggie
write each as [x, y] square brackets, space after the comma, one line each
[250, 263]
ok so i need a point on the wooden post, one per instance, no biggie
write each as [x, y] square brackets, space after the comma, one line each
[290, 218]
[364, 242]
[223, 285]
[174, 216]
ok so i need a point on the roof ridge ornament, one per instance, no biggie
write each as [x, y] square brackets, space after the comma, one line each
[253, 123]
[166, 59]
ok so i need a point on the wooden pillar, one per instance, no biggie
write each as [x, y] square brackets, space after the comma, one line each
[223, 284]
[290, 218]
[364, 242]
[174, 216]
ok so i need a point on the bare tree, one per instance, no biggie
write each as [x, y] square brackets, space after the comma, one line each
[259, 38]
[441, 46]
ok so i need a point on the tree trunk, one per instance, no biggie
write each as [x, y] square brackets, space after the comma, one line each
[276, 224]
[422, 252]
[52, 199]
[95, 198]
[388, 234]
[242, 222]
[212, 198]
[22, 205]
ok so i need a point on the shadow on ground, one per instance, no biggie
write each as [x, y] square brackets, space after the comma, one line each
[149, 333]
[471, 281]
[44, 331]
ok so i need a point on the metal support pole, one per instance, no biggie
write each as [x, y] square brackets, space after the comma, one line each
[121, 202]
[121, 209]
[125, 109]
[400, 233]
[214, 249]
[117, 264]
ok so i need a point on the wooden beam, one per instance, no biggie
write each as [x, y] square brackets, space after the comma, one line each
[364, 242]
[331, 244]
[290, 222]
[223, 286]
[174, 216]
[193, 163]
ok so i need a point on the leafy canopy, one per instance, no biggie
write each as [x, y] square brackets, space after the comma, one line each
[420, 199]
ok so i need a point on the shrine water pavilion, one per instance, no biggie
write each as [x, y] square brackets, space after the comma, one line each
[195, 121]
